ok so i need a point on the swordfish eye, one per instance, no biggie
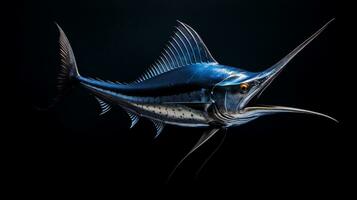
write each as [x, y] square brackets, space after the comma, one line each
[244, 87]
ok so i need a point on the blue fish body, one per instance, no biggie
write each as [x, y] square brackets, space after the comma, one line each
[180, 96]
[191, 77]
[186, 86]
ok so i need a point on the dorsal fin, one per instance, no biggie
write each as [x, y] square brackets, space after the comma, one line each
[185, 48]
[104, 106]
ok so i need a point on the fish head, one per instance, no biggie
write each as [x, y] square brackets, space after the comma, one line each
[233, 94]
[232, 97]
[235, 91]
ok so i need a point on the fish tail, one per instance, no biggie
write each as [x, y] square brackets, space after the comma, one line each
[68, 75]
[69, 72]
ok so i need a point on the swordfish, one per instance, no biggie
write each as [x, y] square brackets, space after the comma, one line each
[186, 87]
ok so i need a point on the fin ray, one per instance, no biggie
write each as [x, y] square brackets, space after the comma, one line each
[104, 106]
[204, 138]
[159, 126]
[184, 48]
[133, 117]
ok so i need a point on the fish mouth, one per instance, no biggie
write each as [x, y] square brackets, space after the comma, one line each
[265, 78]
[248, 108]
[256, 111]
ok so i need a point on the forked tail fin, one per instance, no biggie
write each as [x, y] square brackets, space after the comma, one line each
[69, 72]
[68, 75]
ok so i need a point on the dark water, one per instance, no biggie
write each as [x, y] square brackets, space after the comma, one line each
[118, 40]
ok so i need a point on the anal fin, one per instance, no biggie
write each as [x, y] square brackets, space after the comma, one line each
[104, 106]
[134, 118]
[159, 126]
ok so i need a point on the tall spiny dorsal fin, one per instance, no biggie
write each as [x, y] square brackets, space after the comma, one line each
[185, 48]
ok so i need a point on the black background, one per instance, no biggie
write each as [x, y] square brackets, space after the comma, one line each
[118, 40]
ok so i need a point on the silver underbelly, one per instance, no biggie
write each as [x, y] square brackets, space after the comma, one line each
[175, 114]
[156, 108]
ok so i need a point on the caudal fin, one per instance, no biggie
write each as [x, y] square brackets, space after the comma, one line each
[69, 71]
[68, 75]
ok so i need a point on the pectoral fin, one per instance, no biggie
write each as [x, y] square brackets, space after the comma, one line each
[213, 152]
[204, 138]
